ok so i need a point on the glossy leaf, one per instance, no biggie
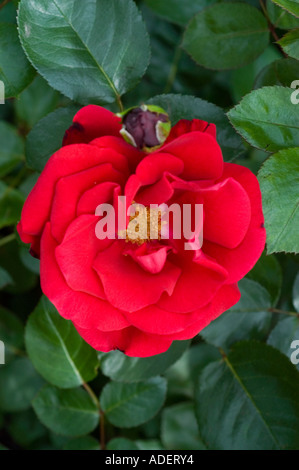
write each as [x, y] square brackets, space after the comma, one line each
[67, 412]
[266, 118]
[179, 429]
[12, 148]
[238, 30]
[178, 11]
[290, 43]
[11, 203]
[11, 333]
[15, 71]
[268, 273]
[282, 336]
[82, 443]
[46, 137]
[296, 293]
[281, 72]
[251, 398]
[122, 368]
[19, 385]
[129, 405]
[38, 100]
[281, 18]
[56, 350]
[279, 185]
[291, 6]
[248, 319]
[92, 53]
[188, 107]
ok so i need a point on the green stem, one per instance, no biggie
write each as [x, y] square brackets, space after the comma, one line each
[272, 27]
[120, 104]
[7, 239]
[101, 412]
[173, 70]
[284, 312]
[4, 3]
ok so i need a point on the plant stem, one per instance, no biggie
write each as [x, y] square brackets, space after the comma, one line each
[272, 27]
[7, 239]
[4, 3]
[101, 412]
[173, 69]
[120, 104]
[284, 312]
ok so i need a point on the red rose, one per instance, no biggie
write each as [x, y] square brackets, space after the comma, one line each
[132, 297]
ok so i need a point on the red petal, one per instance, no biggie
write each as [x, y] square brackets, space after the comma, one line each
[240, 260]
[84, 309]
[225, 298]
[128, 286]
[91, 122]
[130, 341]
[195, 288]
[76, 253]
[227, 213]
[184, 126]
[69, 190]
[200, 154]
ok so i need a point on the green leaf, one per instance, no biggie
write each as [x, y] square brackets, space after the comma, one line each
[178, 11]
[5, 278]
[23, 279]
[248, 319]
[266, 118]
[250, 399]
[35, 102]
[121, 443]
[46, 137]
[179, 429]
[129, 405]
[188, 107]
[290, 43]
[11, 204]
[281, 18]
[279, 179]
[11, 333]
[82, 443]
[33, 264]
[92, 53]
[281, 72]
[8, 13]
[239, 31]
[291, 6]
[19, 385]
[15, 71]
[56, 350]
[122, 368]
[12, 148]
[267, 272]
[181, 375]
[25, 428]
[285, 332]
[151, 444]
[68, 412]
[242, 79]
[296, 293]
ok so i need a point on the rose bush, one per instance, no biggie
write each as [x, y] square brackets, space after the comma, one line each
[139, 298]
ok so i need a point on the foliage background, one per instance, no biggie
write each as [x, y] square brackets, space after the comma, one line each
[234, 386]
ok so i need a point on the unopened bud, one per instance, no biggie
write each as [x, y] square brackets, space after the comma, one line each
[145, 127]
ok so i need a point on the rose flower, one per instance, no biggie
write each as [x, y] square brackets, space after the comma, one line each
[139, 295]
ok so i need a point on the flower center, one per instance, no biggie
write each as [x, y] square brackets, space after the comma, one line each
[144, 225]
